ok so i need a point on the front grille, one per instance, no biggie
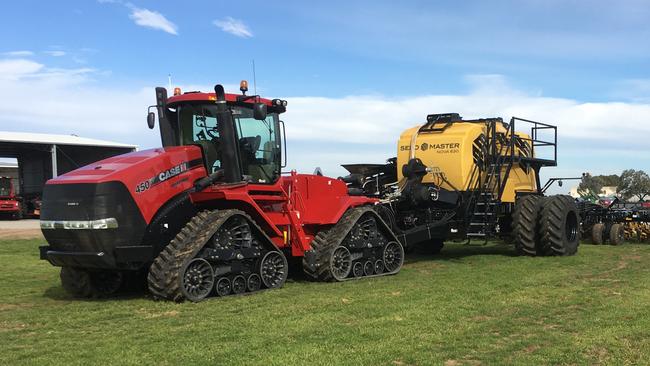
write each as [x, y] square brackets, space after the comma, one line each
[88, 202]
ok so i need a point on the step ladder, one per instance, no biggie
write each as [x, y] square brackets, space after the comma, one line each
[483, 216]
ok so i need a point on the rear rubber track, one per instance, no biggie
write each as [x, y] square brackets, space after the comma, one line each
[327, 240]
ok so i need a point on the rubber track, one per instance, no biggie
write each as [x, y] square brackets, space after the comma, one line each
[163, 277]
[327, 240]
[525, 225]
[553, 225]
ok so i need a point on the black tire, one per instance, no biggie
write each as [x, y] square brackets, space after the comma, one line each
[597, 232]
[105, 283]
[85, 284]
[76, 282]
[616, 234]
[559, 226]
[525, 220]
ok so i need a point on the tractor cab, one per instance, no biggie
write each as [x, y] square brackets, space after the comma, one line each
[239, 135]
[6, 188]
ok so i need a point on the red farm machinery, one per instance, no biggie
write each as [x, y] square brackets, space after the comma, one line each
[210, 212]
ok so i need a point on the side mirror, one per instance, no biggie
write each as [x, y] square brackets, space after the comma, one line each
[151, 120]
[259, 111]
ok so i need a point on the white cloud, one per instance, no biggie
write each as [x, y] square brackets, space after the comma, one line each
[152, 19]
[14, 69]
[21, 53]
[233, 26]
[596, 137]
[325, 132]
[55, 53]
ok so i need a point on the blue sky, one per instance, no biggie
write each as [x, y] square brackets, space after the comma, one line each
[581, 64]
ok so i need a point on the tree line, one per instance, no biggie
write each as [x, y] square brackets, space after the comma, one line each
[630, 183]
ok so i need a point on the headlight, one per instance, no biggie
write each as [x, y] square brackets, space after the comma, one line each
[101, 224]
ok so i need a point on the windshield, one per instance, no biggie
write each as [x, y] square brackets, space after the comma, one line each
[5, 187]
[257, 140]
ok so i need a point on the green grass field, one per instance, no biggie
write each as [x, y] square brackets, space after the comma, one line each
[467, 306]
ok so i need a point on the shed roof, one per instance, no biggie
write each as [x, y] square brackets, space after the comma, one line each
[51, 139]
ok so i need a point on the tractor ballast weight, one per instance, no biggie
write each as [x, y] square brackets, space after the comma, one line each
[456, 179]
[209, 213]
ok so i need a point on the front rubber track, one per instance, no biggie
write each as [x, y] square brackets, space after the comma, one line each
[164, 278]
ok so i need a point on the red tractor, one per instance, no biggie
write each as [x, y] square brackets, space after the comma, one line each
[10, 205]
[210, 212]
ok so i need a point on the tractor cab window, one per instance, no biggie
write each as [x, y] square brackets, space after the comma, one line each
[199, 127]
[5, 187]
[259, 146]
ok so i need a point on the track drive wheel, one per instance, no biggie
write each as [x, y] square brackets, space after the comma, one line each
[274, 269]
[616, 234]
[559, 226]
[525, 225]
[393, 256]
[340, 263]
[597, 232]
[198, 280]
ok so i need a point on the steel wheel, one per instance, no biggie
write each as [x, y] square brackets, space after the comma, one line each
[198, 279]
[235, 233]
[340, 263]
[238, 284]
[273, 269]
[223, 286]
[357, 269]
[364, 230]
[379, 266]
[254, 282]
[393, 256]
[368, 268]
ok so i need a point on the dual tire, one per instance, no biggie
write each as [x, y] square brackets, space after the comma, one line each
[615, 236]
[546, 226]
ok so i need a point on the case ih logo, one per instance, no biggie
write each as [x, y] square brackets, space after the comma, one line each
[162, 176]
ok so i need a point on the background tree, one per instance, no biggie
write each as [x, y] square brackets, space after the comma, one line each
[612, 180]
[590, 186]
[634, 183]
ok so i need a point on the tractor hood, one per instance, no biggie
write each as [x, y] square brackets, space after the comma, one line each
[91, 215]
[135, 165]
[149, 178]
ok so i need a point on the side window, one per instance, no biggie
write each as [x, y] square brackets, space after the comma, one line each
[199, 127]
[258, 149]
[204, 128]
